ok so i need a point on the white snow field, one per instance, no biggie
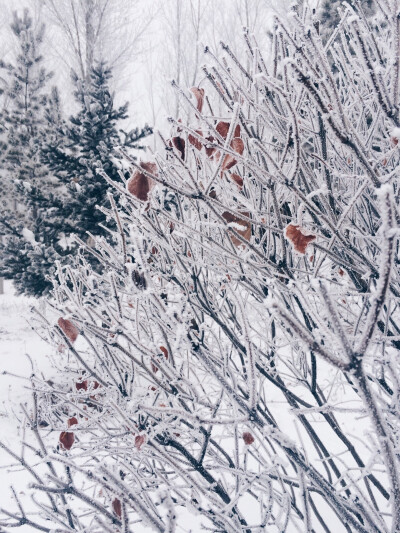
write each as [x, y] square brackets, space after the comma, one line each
[18, 344]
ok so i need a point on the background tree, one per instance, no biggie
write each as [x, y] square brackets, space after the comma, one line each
[83, 33]
[330, 13]
[86, 144]
[178, 36]
[26, 188]
[50, 188]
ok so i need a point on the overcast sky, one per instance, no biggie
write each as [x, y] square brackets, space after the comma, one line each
[142, 76]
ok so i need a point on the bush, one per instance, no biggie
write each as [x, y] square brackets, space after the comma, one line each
[237, 360]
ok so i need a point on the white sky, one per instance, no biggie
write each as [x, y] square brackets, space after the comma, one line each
[143, 77]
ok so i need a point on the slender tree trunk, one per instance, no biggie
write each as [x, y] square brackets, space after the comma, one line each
[178, 51]
[90, 38]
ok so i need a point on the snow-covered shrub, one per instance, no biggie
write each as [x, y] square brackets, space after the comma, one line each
[235, 366]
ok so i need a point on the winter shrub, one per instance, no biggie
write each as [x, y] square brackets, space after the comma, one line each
[237, 359]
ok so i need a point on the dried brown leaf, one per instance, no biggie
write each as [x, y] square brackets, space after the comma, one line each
[298, 238]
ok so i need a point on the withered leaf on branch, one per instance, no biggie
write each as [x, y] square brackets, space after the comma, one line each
[237, 145]
[117, 508]
[139, 185]
[72, 421]
[298, 238]
[248, 438]
[223, 129]
[229, 161]
[210, 150]
[195, 141]
[164, 350]
[66, 440]
[236, 220]
[179, 144]
[81, 385]
[237, 179]
[199, 95]
[139, 441]
[69, 329]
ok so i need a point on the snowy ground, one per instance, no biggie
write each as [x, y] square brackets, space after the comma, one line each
[17, 342]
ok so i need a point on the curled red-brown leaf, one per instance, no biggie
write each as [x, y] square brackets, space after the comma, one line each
[237, 179]
[179, 144]
[69, 329]
[72, 421]
[195, 141]
[117, 507]
[139, 441]
[237, 145]
[149, 167]
[245, 232]
[139, 185]
[67, 439]
[213, 193]
[223, 129]
[248, 438]
[210, 150]
[299, 239]
[229, 161]
[81, 385]
[199, 95]
[164, 350]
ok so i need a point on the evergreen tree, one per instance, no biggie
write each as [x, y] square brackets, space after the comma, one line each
[88, 143]
[330, 15]
[49, 184]
[26, 189]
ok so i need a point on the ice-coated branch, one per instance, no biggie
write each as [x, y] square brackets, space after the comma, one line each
[385, 268]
